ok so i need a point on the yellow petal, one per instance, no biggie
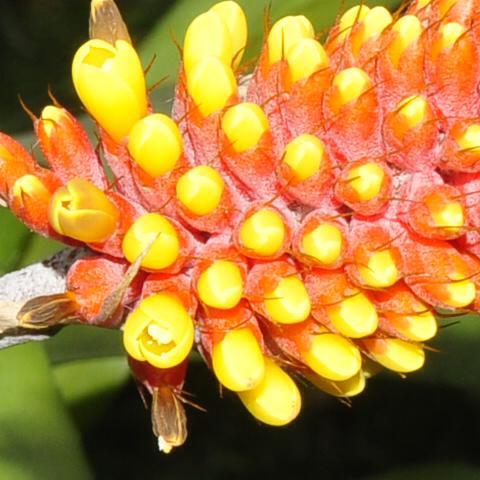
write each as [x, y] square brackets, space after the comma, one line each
[165, 249]
[276, 400]
[155, 143]
[237, 360]
[244, 125]
[263, 233]
[221, 285]
[211, 83]
[289, 301]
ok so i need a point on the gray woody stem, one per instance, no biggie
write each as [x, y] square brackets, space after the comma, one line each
[44, 278]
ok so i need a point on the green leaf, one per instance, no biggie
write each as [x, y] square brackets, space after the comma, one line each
[14, 237]
[79, 342]
[37, 435]
[89, 386]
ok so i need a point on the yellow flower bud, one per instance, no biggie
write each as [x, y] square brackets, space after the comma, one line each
[305, 58]
[381, 270]
[449, 33]
[236, 22]
[207, 36]
[346, 388]
[263, 233]
[289, 301]
[460, 292]
[30, 186]
[323, 244]
[395, 354]
[352, 16]
[304, 155]
[333, 357]
[285, 33]
[221, 285]
[354, 317]
[350, 84]
[200, 190]
[152, 227]
[82, 211]
[408, 30]
[366, 180]
[110, 83]
[156, 144]
[238, 361]
[244, 124]
[374, 23]
[413, 109]
[211, 83]
[469, 140]
[450, 217]
[276, 400]
[159, 331]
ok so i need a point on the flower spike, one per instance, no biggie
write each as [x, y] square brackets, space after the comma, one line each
[307, 224]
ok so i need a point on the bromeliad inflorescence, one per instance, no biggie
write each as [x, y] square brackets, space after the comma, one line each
[312, 222]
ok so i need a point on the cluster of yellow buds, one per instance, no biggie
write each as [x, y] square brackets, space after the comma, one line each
[313, 225]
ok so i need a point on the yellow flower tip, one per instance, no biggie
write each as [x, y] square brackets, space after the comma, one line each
[408, 30]
[306, 57]
[288, 302]
[354, 317]
[155, 144]
[5, 155]
[236, 22]
[238, 361]
[397, 355]
[324, 243]
[460, 292]
[152, 227]
[366, 180]
[206, 36]
[449, 33]
[159, 331]
[200, 190]
[276, 400]
[32, 187]
[381, 270]
[82, 211]
[304, 155]
[351, 17]
[211, 83]
[244, 125]
[450, 217]
[285, 33]
[469, 140]
[333, 357]
[263, 233]
[372, 25]
[349, 85]
[418, 327]
[110, 83]
[346, 388]
[446, 5]
[52, 116]
[221, 285]
[413, 110]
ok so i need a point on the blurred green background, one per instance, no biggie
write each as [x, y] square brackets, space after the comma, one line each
[68, 409]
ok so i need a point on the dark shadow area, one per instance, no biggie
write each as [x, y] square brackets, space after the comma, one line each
[393, 424]
[38, 39]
